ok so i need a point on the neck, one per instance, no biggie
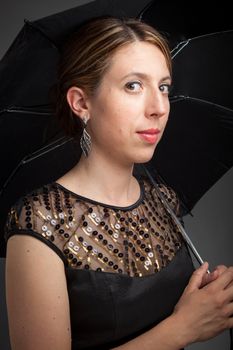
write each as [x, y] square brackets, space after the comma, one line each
[107, 182]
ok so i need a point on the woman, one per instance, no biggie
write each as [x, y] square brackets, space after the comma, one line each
[93, 260]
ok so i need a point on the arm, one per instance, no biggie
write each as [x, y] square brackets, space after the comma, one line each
[36, 294]
[164, 336]
[203, 311]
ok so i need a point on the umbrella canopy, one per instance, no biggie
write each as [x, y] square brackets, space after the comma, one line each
[32, 142]
[180, 21]
[197, 147]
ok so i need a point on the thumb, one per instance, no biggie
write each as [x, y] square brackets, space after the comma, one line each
[195, 281]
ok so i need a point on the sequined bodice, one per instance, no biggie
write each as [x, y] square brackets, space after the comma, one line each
[137, 240]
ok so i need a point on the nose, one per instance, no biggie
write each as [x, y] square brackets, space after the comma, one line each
[157, 104]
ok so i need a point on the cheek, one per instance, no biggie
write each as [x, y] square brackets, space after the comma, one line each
[121, 117]
[116, 113]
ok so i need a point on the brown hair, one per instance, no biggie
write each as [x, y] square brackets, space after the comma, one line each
[87, 55]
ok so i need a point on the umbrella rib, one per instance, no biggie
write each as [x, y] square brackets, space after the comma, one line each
[10, 177]
[177, 98]
[50, 147]
[179, 47]
[184, 43]
[44, 150]
[22, 110]
[32, 25]
[144, 10]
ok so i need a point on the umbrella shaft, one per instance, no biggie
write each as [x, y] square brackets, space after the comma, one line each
[184, 234]
[177, 221]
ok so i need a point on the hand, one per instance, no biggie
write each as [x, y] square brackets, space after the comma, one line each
[204, 311]
[220, 269]
[210, 277]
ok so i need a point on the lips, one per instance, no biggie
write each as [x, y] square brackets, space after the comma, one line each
[149, 135]
[149, 131]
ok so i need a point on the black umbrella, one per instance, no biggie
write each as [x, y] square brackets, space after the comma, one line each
[197, 147]
[34, 151]
[193, 156]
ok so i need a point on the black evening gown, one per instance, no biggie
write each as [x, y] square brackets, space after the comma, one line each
[126, 267]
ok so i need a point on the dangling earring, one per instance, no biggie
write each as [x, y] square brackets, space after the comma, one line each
[85, 141]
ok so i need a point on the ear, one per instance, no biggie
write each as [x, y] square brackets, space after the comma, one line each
[77, 101]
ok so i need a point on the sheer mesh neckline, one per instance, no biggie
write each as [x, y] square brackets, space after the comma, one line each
[125, 208]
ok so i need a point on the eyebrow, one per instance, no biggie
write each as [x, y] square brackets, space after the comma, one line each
[146, 76]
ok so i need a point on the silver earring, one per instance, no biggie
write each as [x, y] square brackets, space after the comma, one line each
[85, 141]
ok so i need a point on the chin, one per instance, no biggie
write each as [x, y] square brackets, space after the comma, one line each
[144, 157]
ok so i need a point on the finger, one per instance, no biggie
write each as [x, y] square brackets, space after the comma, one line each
[220, 269]
[224, 279]
[195, 281]
[228, 292]
[228, 310]
[209, 277]
[230, 322]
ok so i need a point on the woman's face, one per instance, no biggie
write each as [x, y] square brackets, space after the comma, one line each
[132, 97]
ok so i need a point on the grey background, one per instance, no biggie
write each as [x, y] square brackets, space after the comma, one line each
[211, 226]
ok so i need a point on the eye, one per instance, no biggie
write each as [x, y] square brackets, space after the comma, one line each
[166, 88]
[134, 86]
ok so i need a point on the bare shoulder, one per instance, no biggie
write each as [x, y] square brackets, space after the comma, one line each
[36, 293]
[27, 255]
